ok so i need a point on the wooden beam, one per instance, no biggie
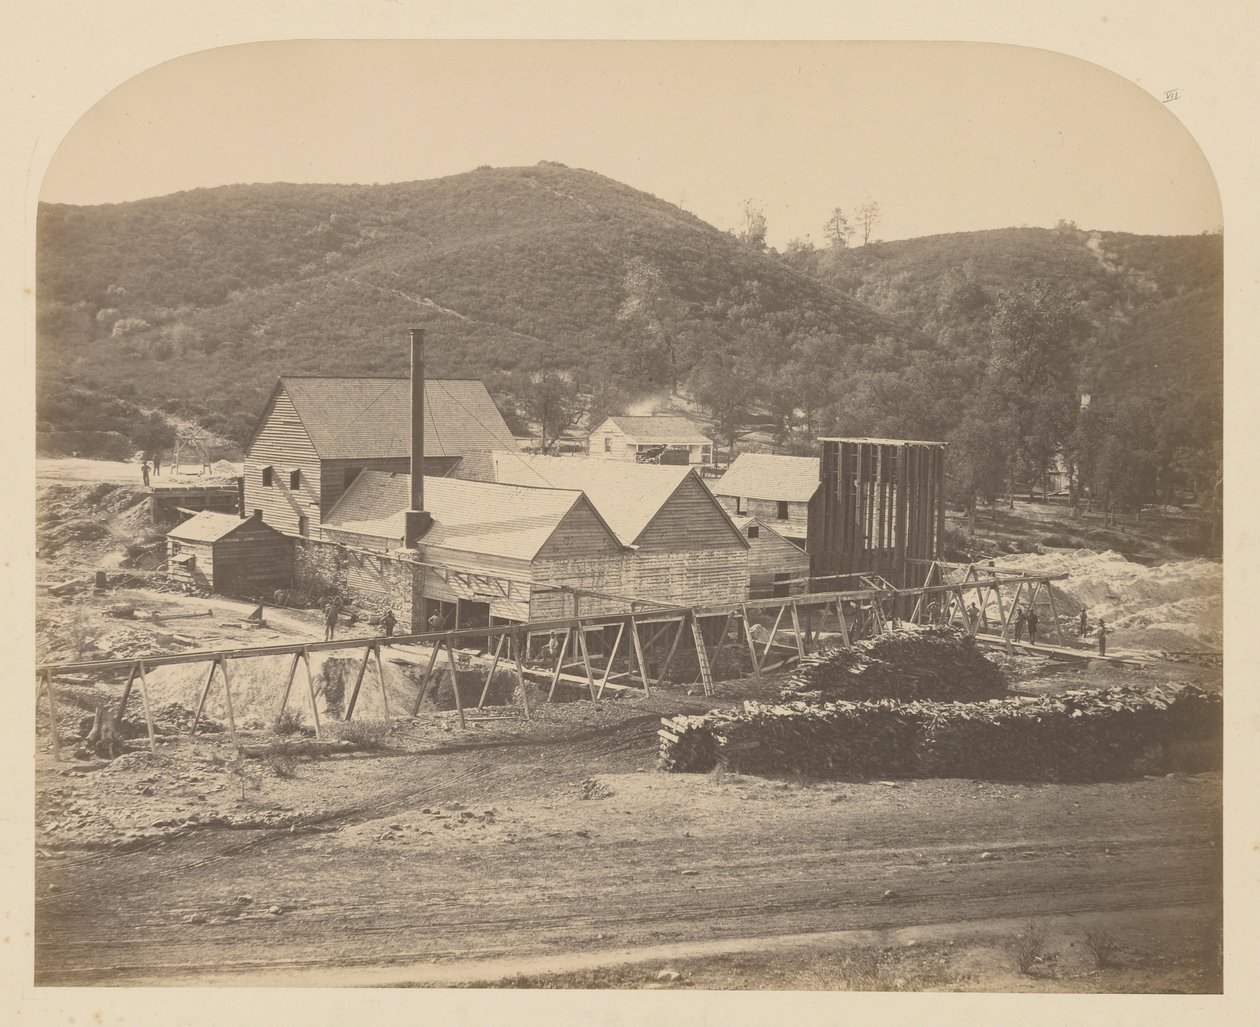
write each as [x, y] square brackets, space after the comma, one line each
[148, 710]
[288, 686]
[638, 653]
[358, 681]
[459, 705]
[586, 658]
[310, 689]
[621, 630]
[555, 677]
[796, 629]
[774, 630]
[669, 658]
[380, 677]
[227, 693]
[721, 642]
[485, 688]
[424, 682]
[1054, 613]
[126, 694]
[520, 672]
[201, 703]
[43, 680]
[752, 648]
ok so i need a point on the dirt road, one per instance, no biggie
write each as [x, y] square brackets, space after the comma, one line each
[491, 852]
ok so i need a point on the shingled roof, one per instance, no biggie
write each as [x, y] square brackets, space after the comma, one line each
[793, 479]
[663, 430]
[627, 495]
[210, 526]
[469, 516]
[366, 418]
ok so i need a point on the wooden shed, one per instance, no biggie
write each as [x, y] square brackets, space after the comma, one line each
[223, 553]
[776, 567]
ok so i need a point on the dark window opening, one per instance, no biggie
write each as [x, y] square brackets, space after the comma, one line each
[783, 510]
[739, 505]
[295, 480]
[258, 513]
[267, 476]
[782, 587]
[754, 531]
[304, 525]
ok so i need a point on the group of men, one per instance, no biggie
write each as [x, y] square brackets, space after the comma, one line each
[333, 611]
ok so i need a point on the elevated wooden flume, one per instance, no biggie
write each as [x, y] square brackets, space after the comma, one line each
[586, 661]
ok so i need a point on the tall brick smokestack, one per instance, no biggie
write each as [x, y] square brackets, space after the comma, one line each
[416, 521]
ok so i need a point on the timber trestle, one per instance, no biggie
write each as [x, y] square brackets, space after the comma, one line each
[615, 652]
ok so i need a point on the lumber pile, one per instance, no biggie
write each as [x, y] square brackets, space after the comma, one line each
[936, 664]
[1079, 736]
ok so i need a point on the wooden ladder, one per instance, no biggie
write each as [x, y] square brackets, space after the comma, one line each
[702, 657]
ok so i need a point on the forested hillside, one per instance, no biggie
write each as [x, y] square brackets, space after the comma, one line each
[538, 279]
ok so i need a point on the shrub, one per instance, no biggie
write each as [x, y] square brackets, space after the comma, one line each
[369, 735]
[283, 764]
[1028, 947]
[289, 721]
[1101, 944]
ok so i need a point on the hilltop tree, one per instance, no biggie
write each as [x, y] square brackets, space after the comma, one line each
[754, 233]
[838, 229]
[868, 216]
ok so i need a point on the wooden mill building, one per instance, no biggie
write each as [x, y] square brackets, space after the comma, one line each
[494, 553]
[776, 567]
[224, 553]
[681, 546]
[318, 433]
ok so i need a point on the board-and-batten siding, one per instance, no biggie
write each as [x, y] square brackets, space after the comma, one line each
[689, 520]
[690, 553]
[200, 574]
[769, 555]
[282, 444]
[252, 563]
[767, 511]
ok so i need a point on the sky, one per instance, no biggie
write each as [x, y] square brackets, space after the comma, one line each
[944, 136]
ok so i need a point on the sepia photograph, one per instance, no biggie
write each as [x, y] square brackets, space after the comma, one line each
[619, 515]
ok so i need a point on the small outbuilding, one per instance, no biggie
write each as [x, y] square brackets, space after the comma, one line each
[227, 554]
[776, 567]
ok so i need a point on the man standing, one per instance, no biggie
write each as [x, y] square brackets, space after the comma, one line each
[1102, 637]
[1084, 622]
[1019, 624]
[973, 617]
[157, 461]
[331, 611]
[144, 472]
[1032, 627]
[388, 622]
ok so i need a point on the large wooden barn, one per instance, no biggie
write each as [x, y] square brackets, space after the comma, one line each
[682, 547]
[318, 433]
[224, 553]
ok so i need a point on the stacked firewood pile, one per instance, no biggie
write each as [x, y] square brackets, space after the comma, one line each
[1076, 737]
[937, 664]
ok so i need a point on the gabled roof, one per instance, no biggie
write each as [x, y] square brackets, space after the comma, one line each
[209, 526]
[470, 516]
[767, 476]
[627, 495]
[367, 418]
[663, 430]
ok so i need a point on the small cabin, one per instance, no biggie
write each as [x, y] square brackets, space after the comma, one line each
[778, 490]
[224, 553]
[656, 440]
